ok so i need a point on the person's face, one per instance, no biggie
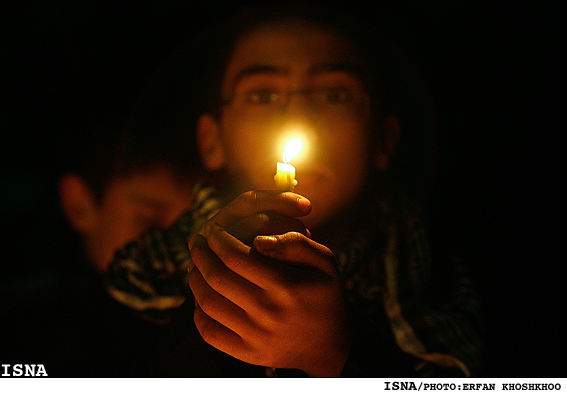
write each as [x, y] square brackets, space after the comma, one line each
[129, 206]
[332, 120]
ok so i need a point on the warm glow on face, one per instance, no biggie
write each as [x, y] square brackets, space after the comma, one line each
[292, 149]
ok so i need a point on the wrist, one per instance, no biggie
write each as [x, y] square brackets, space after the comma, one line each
[331, 363]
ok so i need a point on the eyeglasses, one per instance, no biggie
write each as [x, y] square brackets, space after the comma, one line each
[321, 99]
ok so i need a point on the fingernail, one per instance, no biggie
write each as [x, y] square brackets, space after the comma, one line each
[304, 204]
[266, 242]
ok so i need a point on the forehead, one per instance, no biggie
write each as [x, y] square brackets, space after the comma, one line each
[157, 186]
[294, 47]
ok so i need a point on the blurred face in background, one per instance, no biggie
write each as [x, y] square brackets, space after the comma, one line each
[129, 206]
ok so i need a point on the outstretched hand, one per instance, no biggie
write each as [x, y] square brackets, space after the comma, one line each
[266, 293]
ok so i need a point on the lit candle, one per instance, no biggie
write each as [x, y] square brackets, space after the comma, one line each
[285, 172]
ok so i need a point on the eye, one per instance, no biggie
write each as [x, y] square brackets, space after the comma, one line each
[335, 95]
[261, 97]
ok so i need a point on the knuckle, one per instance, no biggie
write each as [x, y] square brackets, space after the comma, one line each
[233, 263]
[295, 237]
[287, 296]
[209, 227]
[250, 199]
[192, 276]
[263, 221]
[268, 318]
[209, 336]
[200, 319]
[214, 278]
[206, 303]
[204, 327]
[325, 251]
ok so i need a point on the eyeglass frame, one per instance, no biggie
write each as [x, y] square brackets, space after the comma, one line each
[288, 94]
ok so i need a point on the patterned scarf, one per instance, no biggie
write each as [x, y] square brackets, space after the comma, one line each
[149, 275]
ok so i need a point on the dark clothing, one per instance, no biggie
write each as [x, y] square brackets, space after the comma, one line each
[75, 329]
[183, 353]
[410, 315]
[407, 308]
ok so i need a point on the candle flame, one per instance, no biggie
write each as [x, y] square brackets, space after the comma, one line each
[292, 149]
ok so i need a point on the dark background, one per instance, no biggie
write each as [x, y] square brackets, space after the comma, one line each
[490, 69]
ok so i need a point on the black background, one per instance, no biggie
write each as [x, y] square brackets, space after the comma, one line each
[491, 71]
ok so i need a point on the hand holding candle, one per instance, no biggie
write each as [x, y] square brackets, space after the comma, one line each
[285, 172]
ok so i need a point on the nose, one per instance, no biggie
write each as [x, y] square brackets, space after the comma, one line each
[293, 130]
[300, 119]
[299, 110]
[297, 101]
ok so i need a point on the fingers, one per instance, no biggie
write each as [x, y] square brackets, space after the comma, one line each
[267, 223]
[250, 266]
[217, 335]
[248, 349]
[252, 213]
[215, 305]
[253, 202]
[227, 307]
[294, 247]
[239, 259]
[218, 276]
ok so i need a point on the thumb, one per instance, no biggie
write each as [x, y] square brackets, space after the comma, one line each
[294, 247]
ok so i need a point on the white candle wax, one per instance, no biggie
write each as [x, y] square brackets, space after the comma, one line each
[285, 176]
[285, 172]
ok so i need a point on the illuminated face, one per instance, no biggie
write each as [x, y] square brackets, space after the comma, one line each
[129, 206]
[287, 81]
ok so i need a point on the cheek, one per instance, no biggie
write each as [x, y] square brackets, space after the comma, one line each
[348, 142]
[351, 160]
[248, 135]
[252, 152]
[351, 169]
[115, 230]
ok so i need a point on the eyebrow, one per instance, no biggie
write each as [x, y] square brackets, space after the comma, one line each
[345, 67]
[323, 68]
[256, 69]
